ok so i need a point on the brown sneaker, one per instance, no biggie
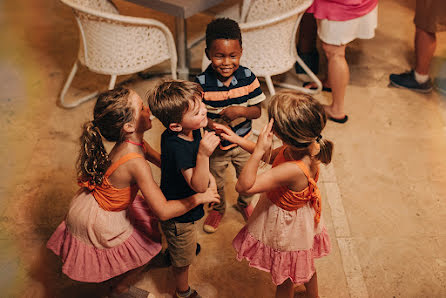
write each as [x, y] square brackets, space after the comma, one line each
[245, 211]
[212, 221]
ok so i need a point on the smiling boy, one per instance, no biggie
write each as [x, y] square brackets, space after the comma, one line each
[232, 96]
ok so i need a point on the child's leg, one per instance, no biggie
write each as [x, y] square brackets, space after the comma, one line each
[338, 76]
[123, 282]
[239, 159]
[285, 290]
[218, 163]
[311, 287]
[182, 244]
[181, 278]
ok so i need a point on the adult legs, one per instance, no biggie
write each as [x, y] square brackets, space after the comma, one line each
[425, 44]
[307, 34]
[306, 45]
[429, 14]
[338, 76]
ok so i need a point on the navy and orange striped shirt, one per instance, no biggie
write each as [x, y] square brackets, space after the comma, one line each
[244, 90]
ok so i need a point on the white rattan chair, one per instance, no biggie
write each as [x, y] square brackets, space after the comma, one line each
[113, 44]
[269, 40]
[233, 9]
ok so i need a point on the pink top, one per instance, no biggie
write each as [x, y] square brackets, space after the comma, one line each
[341, 10]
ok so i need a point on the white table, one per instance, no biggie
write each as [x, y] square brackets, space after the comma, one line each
[181, 10]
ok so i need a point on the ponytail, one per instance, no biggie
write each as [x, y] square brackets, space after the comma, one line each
[93, 159]
[326, 150]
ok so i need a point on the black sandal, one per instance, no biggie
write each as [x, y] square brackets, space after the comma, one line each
[337, 120]
[326, 89]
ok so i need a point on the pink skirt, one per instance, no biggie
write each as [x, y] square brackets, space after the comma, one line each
[284, 243]
[96, 245]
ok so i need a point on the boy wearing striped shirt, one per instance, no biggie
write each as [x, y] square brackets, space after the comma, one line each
[232, 96]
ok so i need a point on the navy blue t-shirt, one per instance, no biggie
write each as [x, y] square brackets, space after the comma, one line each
[179, 154]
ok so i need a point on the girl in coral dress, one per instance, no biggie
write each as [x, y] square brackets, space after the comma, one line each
[286, 232]
[109, 230]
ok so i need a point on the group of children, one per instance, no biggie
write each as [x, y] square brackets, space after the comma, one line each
[111, 232]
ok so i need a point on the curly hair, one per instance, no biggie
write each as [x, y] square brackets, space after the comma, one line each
[298, 121]
[111, 112]
[222, 28]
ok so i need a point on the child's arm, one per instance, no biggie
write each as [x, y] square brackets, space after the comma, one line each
[228, 134]
[198, 177]
[152, 155]
[162, 208]
[234, 112]
[286, 174]
[248, 175]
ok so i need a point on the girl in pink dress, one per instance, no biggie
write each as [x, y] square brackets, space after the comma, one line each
[109, 230]
[286, 231]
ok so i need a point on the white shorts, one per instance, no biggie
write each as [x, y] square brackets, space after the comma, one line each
[343, 32]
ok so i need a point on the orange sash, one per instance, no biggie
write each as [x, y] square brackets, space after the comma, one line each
[290, 200]
[109, 197]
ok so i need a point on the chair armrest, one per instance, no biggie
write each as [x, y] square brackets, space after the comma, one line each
[266, 22]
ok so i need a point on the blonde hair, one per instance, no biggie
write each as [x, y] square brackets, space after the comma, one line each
[170, 99]
[298, 121]
[111, 111]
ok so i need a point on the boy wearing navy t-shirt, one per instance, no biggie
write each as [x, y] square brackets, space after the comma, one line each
[184, 167]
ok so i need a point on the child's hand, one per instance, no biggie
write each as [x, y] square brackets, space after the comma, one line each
[209, 196]
[265, 139]
[208, 143]
[231, 113]
[226, 133]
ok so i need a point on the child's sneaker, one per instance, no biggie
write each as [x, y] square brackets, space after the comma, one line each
[212, 221]
[407, 80]
[191, 293]
[246, 211]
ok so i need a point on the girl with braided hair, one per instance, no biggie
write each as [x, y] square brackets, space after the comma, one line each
[285, 232]
[109, 230]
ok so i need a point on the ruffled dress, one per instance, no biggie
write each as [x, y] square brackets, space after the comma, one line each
[107, 231]
[285, 233]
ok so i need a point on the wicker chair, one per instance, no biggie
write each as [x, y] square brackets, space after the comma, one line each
[113, 44]
[269, 40]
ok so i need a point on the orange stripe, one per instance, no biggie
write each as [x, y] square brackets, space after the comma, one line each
[233, 93]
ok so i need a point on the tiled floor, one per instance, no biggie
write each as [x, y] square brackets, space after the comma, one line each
[384, 193]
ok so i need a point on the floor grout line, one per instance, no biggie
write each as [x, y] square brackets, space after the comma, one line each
[350, 261]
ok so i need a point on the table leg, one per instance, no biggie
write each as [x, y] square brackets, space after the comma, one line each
[181, 44]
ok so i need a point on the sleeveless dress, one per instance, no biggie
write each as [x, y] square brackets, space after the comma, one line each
[107, 231]
[285, 232]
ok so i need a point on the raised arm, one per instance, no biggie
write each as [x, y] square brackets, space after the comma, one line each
[228, 134]
[141, 172]
[198, 177]
[248, 175]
